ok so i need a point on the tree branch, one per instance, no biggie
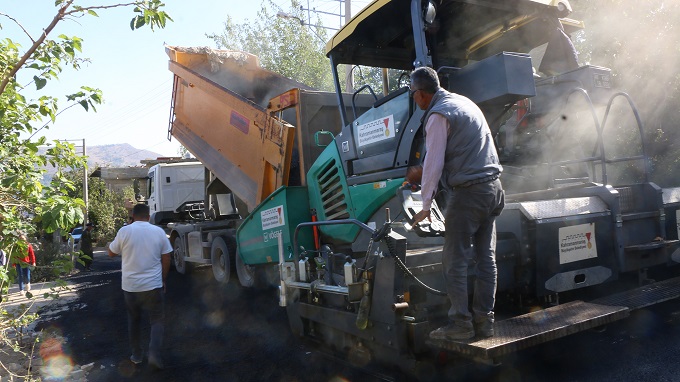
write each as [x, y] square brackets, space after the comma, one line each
[60, 111]
[20, 26]
[98, 7]
[35, 46]
[63, 12]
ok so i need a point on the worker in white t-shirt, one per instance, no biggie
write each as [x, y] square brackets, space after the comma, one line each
[145, 257]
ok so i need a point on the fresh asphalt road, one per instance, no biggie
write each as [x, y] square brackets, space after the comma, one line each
[216, 333]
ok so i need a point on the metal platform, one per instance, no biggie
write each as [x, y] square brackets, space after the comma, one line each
[559, 321]
[644, 296]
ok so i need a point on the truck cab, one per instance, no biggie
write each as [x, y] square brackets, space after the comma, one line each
[176, 191]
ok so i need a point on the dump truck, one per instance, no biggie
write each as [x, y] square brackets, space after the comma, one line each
[176, 192]
[305, 189]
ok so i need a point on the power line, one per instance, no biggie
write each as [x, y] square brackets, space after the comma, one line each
[154, 95]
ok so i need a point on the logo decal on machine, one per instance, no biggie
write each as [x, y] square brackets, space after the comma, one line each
[577, 243]
[272, 218]
[240, 122]
[375, 131]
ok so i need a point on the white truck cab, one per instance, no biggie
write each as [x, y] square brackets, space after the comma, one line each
[176, 191]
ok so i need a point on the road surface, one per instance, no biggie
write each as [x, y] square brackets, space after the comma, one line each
[216, 333]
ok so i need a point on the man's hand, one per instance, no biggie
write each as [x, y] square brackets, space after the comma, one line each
[420, 216]
[165, 266]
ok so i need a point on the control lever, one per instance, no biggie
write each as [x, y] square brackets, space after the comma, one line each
[412, 203]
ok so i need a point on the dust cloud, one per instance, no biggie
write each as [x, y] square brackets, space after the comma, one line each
[640, 42]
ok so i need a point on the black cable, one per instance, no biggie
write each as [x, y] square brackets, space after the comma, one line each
[408, 273]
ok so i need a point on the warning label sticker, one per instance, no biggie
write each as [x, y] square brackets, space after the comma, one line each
[577, 243]
[375, 131]
[272, 218]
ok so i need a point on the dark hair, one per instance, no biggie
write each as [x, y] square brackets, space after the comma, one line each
[140, 210]
[425, 79]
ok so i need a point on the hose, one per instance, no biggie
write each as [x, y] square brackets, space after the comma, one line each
[410, 274]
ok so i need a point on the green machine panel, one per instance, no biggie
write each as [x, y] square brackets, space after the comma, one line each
[278, 215]
[333, 199]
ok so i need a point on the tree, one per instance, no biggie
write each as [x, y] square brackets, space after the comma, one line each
[106, 208]
[283, 45]
[24, 200]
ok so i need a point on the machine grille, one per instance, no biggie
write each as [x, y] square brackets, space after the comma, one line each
[332, 195]
[626, 199]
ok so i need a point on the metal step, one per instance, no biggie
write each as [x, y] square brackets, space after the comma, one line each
[644, 296]
[535, 328]
[652, 245]
[555, 322]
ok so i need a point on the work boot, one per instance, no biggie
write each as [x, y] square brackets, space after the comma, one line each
[452, 332]
[136, 359]
[484, 328]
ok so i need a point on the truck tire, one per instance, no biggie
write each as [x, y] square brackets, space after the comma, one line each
[181, 265]
[220, 260]
[247, 275]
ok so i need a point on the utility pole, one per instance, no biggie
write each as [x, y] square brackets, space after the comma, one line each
[349, 77]
[85, 194]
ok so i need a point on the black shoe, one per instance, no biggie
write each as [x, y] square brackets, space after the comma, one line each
[135, 359]
[452, 332]
[484, 328]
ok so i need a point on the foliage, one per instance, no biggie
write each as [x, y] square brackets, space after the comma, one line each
[639, 41]
[283, 45]
[364, 75]
[106, 208]
[24, 200]
[286, 44]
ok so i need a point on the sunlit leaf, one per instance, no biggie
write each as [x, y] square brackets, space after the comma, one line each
[39, 82]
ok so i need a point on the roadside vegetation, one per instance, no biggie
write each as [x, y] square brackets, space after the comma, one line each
[26, 205]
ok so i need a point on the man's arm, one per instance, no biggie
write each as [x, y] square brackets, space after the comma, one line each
[165, 264]
[111, 254]
[435, 142]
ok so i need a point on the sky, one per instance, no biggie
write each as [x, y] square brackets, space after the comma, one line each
[131, 67]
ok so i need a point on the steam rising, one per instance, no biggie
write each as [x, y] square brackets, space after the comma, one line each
[239, 72]
[640, 42]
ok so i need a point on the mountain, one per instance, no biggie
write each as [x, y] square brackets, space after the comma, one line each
[117, 155]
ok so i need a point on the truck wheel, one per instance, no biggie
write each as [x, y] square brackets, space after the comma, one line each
[246, 273]
[219, 257]
[178, 256]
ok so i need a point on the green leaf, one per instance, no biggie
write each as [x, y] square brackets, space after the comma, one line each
[139, 22]
[93, 13]
[83, 103]
[39, 82]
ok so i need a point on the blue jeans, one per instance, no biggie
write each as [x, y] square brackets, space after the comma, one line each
[152, 303]
[23, 275]
[471, 238]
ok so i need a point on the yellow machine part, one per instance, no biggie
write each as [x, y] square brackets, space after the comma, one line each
[220, 115]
